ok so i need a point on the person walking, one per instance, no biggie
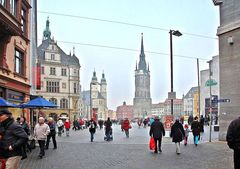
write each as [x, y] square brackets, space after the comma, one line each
[52, 133]
[108, 129]
[41, 131]
[92, 128]
[195, 127]
[60, 126]
[157, 131]
[177, 134]
[67, 126]
[126, 126]
[25, 127]
[233, 141]
[12, 140]
[186, 131]
[202, 124]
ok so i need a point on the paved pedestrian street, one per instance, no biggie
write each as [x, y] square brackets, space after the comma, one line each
[77, 152]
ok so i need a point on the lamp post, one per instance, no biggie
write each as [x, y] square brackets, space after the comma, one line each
[172, 95]
[210, 100]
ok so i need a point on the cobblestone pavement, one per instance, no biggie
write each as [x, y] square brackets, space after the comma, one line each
[77, 152]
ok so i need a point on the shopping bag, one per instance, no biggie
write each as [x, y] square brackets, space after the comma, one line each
[33, 144]
[152, 144]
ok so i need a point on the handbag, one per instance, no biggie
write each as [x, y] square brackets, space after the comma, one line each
[33, 144]
[152, 144]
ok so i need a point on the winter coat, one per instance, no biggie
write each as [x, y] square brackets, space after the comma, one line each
[233, 134]
[108, 125]
[196, 128]
[41, 131]
[92, 126]
[52, 127]
[25, 127]
[177, 132]
[67, 125]
[13, 136]
[126, 125]
[157, 130]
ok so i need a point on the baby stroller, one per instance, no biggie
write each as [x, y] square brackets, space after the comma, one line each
[108, 135]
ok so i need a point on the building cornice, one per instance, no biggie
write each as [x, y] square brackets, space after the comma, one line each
[228, 28]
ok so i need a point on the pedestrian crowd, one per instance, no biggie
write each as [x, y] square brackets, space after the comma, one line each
[17, 139]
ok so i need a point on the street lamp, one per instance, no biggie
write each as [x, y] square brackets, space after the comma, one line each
[172, 95]
[210, 100]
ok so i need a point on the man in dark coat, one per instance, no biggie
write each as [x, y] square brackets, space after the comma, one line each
[92, 128]
[13, 139]
[233, 140]
[157, 131]
[52, 134]
[108, 129]
[195, 130]
[177, 134]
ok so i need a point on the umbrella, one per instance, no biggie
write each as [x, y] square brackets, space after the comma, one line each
[5, 103]
[38, 103]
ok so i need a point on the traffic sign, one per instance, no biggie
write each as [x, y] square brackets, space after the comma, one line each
[211, 82]
[221, 101]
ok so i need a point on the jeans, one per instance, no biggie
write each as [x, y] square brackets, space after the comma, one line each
[67, 132]
[92, 136]
[127, 133]
[41, 146]
[53, 136]
[159, 140]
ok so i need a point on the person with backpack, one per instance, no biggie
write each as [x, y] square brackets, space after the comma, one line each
[92, 128]
[13, 139]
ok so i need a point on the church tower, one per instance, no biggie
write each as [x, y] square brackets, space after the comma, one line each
[103, 88]
[142, 101]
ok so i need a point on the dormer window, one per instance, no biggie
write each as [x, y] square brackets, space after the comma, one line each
[52, 57]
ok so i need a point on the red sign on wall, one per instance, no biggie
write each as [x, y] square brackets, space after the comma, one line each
[168, 120]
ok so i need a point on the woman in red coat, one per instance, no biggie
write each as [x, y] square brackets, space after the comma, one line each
[67, 127]
[126, 126]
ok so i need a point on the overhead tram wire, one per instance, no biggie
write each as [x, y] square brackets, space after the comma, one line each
[125, 49]
[123, 23]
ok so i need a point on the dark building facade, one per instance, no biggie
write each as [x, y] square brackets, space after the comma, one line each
[142, 101]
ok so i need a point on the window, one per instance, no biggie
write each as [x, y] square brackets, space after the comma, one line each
[2, 2]
[52, 71]
[24, 21]
[52, 87]
[64, 85]
[63, 103]
[18, 62]
[42, 84]
[52, 57]
[64, 72]
[52, 47]
[53, 100]
[42, 70]
[13, 7]
[75, 88]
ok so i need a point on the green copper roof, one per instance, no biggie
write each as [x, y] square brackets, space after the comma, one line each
[47, 32]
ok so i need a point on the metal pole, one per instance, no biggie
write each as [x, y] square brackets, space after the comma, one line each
[210, 92]
[171, 65]
[199, 106]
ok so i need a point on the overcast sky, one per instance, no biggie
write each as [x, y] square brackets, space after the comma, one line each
[80, 22]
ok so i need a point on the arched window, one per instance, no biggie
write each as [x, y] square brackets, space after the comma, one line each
[63, 103]
[53, 100]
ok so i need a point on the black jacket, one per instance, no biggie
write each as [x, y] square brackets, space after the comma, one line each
[195, 127]
[15, 136]
[157, 129]
[177, 132]
[92, 126]
[233, 134]
[108, 125]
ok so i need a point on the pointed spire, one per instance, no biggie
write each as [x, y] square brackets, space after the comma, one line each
[103, 80]
[73, 50]
[142, 62]
[142, 47]
[47, 32]
[94, 78]
[148, 66]
[136, 65]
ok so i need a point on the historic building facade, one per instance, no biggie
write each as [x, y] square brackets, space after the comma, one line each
[124, 111]
[60, 77]
[229, 58]
[98, 98]
[191, 102]
[142, 101]
[15, 52]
